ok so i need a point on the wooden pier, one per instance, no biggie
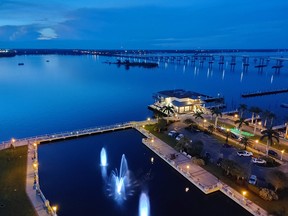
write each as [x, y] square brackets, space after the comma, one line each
[262, 93]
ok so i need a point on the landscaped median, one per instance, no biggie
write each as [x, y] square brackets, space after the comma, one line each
[13, 198]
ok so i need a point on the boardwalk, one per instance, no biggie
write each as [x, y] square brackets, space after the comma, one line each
[71, 134]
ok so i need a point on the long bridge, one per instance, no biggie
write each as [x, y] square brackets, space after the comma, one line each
[221, 59]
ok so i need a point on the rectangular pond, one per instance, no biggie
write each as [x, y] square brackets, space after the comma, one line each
[71, 178]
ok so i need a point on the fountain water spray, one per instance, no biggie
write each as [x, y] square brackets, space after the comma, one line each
[120, 184]
[103, 163]
[103, 157]
[144, 205]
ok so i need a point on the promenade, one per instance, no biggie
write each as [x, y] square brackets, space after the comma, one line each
[198, 176]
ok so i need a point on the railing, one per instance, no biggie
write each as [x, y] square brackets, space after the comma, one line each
[67, 134]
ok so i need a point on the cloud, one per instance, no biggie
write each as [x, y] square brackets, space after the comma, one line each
[47, 34]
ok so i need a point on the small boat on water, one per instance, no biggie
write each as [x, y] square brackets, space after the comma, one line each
[20, 63]
[284, 105]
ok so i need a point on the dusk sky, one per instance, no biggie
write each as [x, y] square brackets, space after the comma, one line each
[144, 24]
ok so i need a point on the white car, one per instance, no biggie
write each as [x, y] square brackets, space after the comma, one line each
[171, 133]
[180, 136]
[244, 153]
[258, 160]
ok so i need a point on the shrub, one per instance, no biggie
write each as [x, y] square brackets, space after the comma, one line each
[198, 161]
[267, 194]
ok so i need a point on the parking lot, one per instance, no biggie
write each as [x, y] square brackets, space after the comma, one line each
[216, 149]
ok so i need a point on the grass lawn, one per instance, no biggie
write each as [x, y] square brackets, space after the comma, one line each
[13, 198]
[163, 136]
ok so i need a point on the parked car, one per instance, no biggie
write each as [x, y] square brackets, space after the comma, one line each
[180, 136]
[244, 153]
[272, 153]
[171, 133]
[252, 180]
[258, 160]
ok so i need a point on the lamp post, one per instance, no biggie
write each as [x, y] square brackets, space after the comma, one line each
[54, 210]
[243, 193]
[12, 142]
[282, 154]
[227, 135]
[187, 168]
[204, 121]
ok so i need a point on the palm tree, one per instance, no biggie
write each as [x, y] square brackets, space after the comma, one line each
[242, 108]
[245, 142]
[168, 109]
[198, 114]
[268, 116]
[270, 135]
[211, 128]
[254, 110]
[240, 122]
[217, 112]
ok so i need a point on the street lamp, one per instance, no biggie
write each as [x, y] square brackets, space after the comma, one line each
[227, 134]
[12, 142]
[54, 210]
[282, 154]
[244, 193]
[236, 116]
[204, 121]
[187, 168]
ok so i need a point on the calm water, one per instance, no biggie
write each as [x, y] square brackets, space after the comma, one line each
[70, 176]
[71, 92]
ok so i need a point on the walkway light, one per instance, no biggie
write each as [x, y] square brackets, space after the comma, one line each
[282, 154]
[244, 193]
[54, 209]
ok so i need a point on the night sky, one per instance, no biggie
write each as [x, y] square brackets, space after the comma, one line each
[144, 24]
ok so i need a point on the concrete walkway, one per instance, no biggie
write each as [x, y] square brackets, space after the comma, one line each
[202, 179]
[31, 191]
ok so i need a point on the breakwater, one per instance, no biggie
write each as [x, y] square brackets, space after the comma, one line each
[262, 93]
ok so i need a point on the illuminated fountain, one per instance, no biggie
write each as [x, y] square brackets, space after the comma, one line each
[103, 163]
[144, 205]
[103, 157]
[120, 185]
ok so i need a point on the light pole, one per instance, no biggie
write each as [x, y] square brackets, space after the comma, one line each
[187, 168]
[54, 210]
[227, 135]
[204, 121]
[243, 193]
[282, 154]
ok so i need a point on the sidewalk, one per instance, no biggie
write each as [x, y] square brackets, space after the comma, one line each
[202, 179]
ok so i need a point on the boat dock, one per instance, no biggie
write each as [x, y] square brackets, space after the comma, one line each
[261, 93]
